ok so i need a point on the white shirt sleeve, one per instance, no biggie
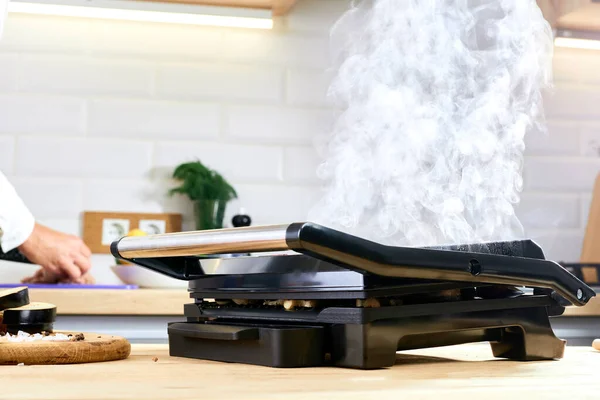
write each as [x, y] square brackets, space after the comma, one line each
[16, 221]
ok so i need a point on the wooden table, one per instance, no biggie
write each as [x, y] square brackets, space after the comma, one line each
[457, 372]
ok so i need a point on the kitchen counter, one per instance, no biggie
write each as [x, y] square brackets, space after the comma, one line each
[114, 301]
[456, 372]
[167, 302]
[142, 315]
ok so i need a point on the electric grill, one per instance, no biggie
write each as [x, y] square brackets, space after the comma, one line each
[303, 295]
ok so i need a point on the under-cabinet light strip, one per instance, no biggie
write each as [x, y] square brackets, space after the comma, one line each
[108, 11]
[573, 43]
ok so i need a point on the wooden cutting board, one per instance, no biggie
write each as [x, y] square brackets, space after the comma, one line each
[94, 348]
[590, 252]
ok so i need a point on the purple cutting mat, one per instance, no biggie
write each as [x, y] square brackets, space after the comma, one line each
[65, 286]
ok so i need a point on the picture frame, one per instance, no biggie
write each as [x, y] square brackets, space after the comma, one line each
[101, 228]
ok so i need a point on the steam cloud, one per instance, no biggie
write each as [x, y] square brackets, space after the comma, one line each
[436, 98]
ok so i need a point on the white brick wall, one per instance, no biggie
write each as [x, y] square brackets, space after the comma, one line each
[151, 119]
[220, 81]
[94, 115]
[7, 148]
[560, 168]
[41, 114]
[276, 124]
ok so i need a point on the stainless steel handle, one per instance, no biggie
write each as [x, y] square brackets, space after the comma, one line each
[216, 241]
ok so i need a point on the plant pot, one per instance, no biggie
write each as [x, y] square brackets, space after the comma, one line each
[209, 214]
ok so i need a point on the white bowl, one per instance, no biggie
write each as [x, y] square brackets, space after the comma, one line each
[146, 278]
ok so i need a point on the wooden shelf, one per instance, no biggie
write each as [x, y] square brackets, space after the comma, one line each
[114, 302]
[571, 14]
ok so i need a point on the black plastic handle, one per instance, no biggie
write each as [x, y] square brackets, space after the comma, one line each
[421, 263]
[518, 263]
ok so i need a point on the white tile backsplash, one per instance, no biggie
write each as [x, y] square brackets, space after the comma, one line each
[573, 101]
[9, 68]
[51, 198]
[296, 50]
[83, 75]
[38, 33]
[548, 211]
[42, 114]
[82, 158]
[306, 87]
[234, 161]
[559, 245]
[590, 141]
[94, 115]
[134, 195]
[584, 71]
[561, 175]
[269, 204]
[219, 81]
[277, 124]
[154, 41]
[7, 148]
[148, 119]
[301, 165]
[561, 139]
[68, 226]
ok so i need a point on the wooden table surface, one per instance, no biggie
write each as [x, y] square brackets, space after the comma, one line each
[456, 372]
[164, 302]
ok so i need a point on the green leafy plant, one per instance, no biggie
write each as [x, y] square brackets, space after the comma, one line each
[209, 191]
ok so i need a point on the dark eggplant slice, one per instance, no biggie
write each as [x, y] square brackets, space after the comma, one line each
[30, 314]
[29, 328]
[14, 297]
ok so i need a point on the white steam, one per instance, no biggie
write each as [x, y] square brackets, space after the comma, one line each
[436, 98]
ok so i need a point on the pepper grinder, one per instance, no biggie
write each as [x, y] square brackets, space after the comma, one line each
[241, 219]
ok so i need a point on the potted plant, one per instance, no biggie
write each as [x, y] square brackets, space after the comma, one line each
[207, 189]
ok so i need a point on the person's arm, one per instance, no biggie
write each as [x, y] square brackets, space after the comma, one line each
[61, 255]
[16, 221]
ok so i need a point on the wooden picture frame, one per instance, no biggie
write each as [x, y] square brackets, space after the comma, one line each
[101, 228]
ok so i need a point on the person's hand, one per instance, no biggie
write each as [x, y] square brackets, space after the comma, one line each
[62, 255]
[44, 276]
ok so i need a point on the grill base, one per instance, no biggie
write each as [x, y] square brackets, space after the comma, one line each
[518, 333]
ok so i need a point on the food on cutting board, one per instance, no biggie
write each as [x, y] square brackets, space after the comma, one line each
[31, 318]
[27, 336]
[133, 232]
[15, 297]
[19, 316]
[596, 344]
[44, 276]
[43, 336]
